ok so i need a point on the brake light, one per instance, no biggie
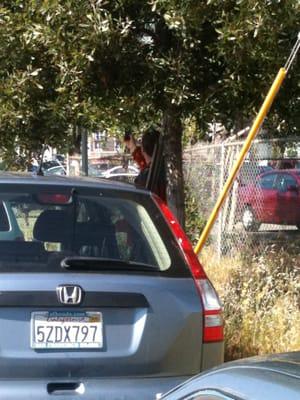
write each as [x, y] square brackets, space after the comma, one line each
[54, 198]
[213, 326]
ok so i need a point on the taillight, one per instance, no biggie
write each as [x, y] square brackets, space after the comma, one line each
[213, 319]
[212, 310]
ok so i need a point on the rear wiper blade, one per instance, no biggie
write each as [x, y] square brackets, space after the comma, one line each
[100, 263]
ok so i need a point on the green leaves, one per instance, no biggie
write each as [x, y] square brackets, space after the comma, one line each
[124, 62]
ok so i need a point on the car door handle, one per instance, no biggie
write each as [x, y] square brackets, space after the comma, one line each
[63, 388]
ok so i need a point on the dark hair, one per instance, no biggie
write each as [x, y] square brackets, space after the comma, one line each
[149, 140]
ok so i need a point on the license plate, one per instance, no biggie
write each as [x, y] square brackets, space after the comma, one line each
[60, 330]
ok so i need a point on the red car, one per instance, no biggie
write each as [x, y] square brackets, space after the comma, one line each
[273, 198]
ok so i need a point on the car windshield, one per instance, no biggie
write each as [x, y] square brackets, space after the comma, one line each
[87, 230]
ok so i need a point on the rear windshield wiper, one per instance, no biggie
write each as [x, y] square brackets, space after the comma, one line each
[99, 264]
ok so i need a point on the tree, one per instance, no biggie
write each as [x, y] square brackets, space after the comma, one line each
[93, 63]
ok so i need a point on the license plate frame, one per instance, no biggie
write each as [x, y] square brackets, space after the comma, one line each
[49, 325]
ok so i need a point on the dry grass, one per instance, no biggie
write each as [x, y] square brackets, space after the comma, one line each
[261, 297]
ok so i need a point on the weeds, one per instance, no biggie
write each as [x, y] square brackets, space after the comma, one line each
[261, 297]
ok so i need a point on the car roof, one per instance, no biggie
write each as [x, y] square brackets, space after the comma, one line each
[284, 363]
[276, 374]
[288, 363]
[62, 180]
[293, 171]
[130, 167]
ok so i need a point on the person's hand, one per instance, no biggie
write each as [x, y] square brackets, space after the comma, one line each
[130, 144]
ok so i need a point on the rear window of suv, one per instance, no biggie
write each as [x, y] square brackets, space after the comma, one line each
[75, 230]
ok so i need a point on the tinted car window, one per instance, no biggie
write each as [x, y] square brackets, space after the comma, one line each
[267, 181]
[4, 223]
[119, 171]
[284, 181]
[56, 226]
[122, 178]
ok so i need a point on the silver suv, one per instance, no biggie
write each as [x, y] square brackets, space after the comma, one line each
[104, 298]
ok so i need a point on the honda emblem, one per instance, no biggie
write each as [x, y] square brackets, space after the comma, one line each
[69, 294]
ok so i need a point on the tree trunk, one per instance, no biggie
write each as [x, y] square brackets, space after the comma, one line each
[172, 129]
[76, 143]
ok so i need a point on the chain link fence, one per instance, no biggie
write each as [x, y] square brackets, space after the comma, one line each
[263, 204]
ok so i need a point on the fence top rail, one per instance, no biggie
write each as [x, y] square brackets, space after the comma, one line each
[200, 146]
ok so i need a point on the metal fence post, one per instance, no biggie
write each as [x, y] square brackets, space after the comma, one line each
[220, 219]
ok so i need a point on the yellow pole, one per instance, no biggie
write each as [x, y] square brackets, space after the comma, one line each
[251, 136]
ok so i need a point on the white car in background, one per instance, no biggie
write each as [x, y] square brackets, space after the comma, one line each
[57, 170]
[120, 173]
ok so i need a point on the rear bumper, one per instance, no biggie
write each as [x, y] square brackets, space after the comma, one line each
[88, 389]
[212, 355]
